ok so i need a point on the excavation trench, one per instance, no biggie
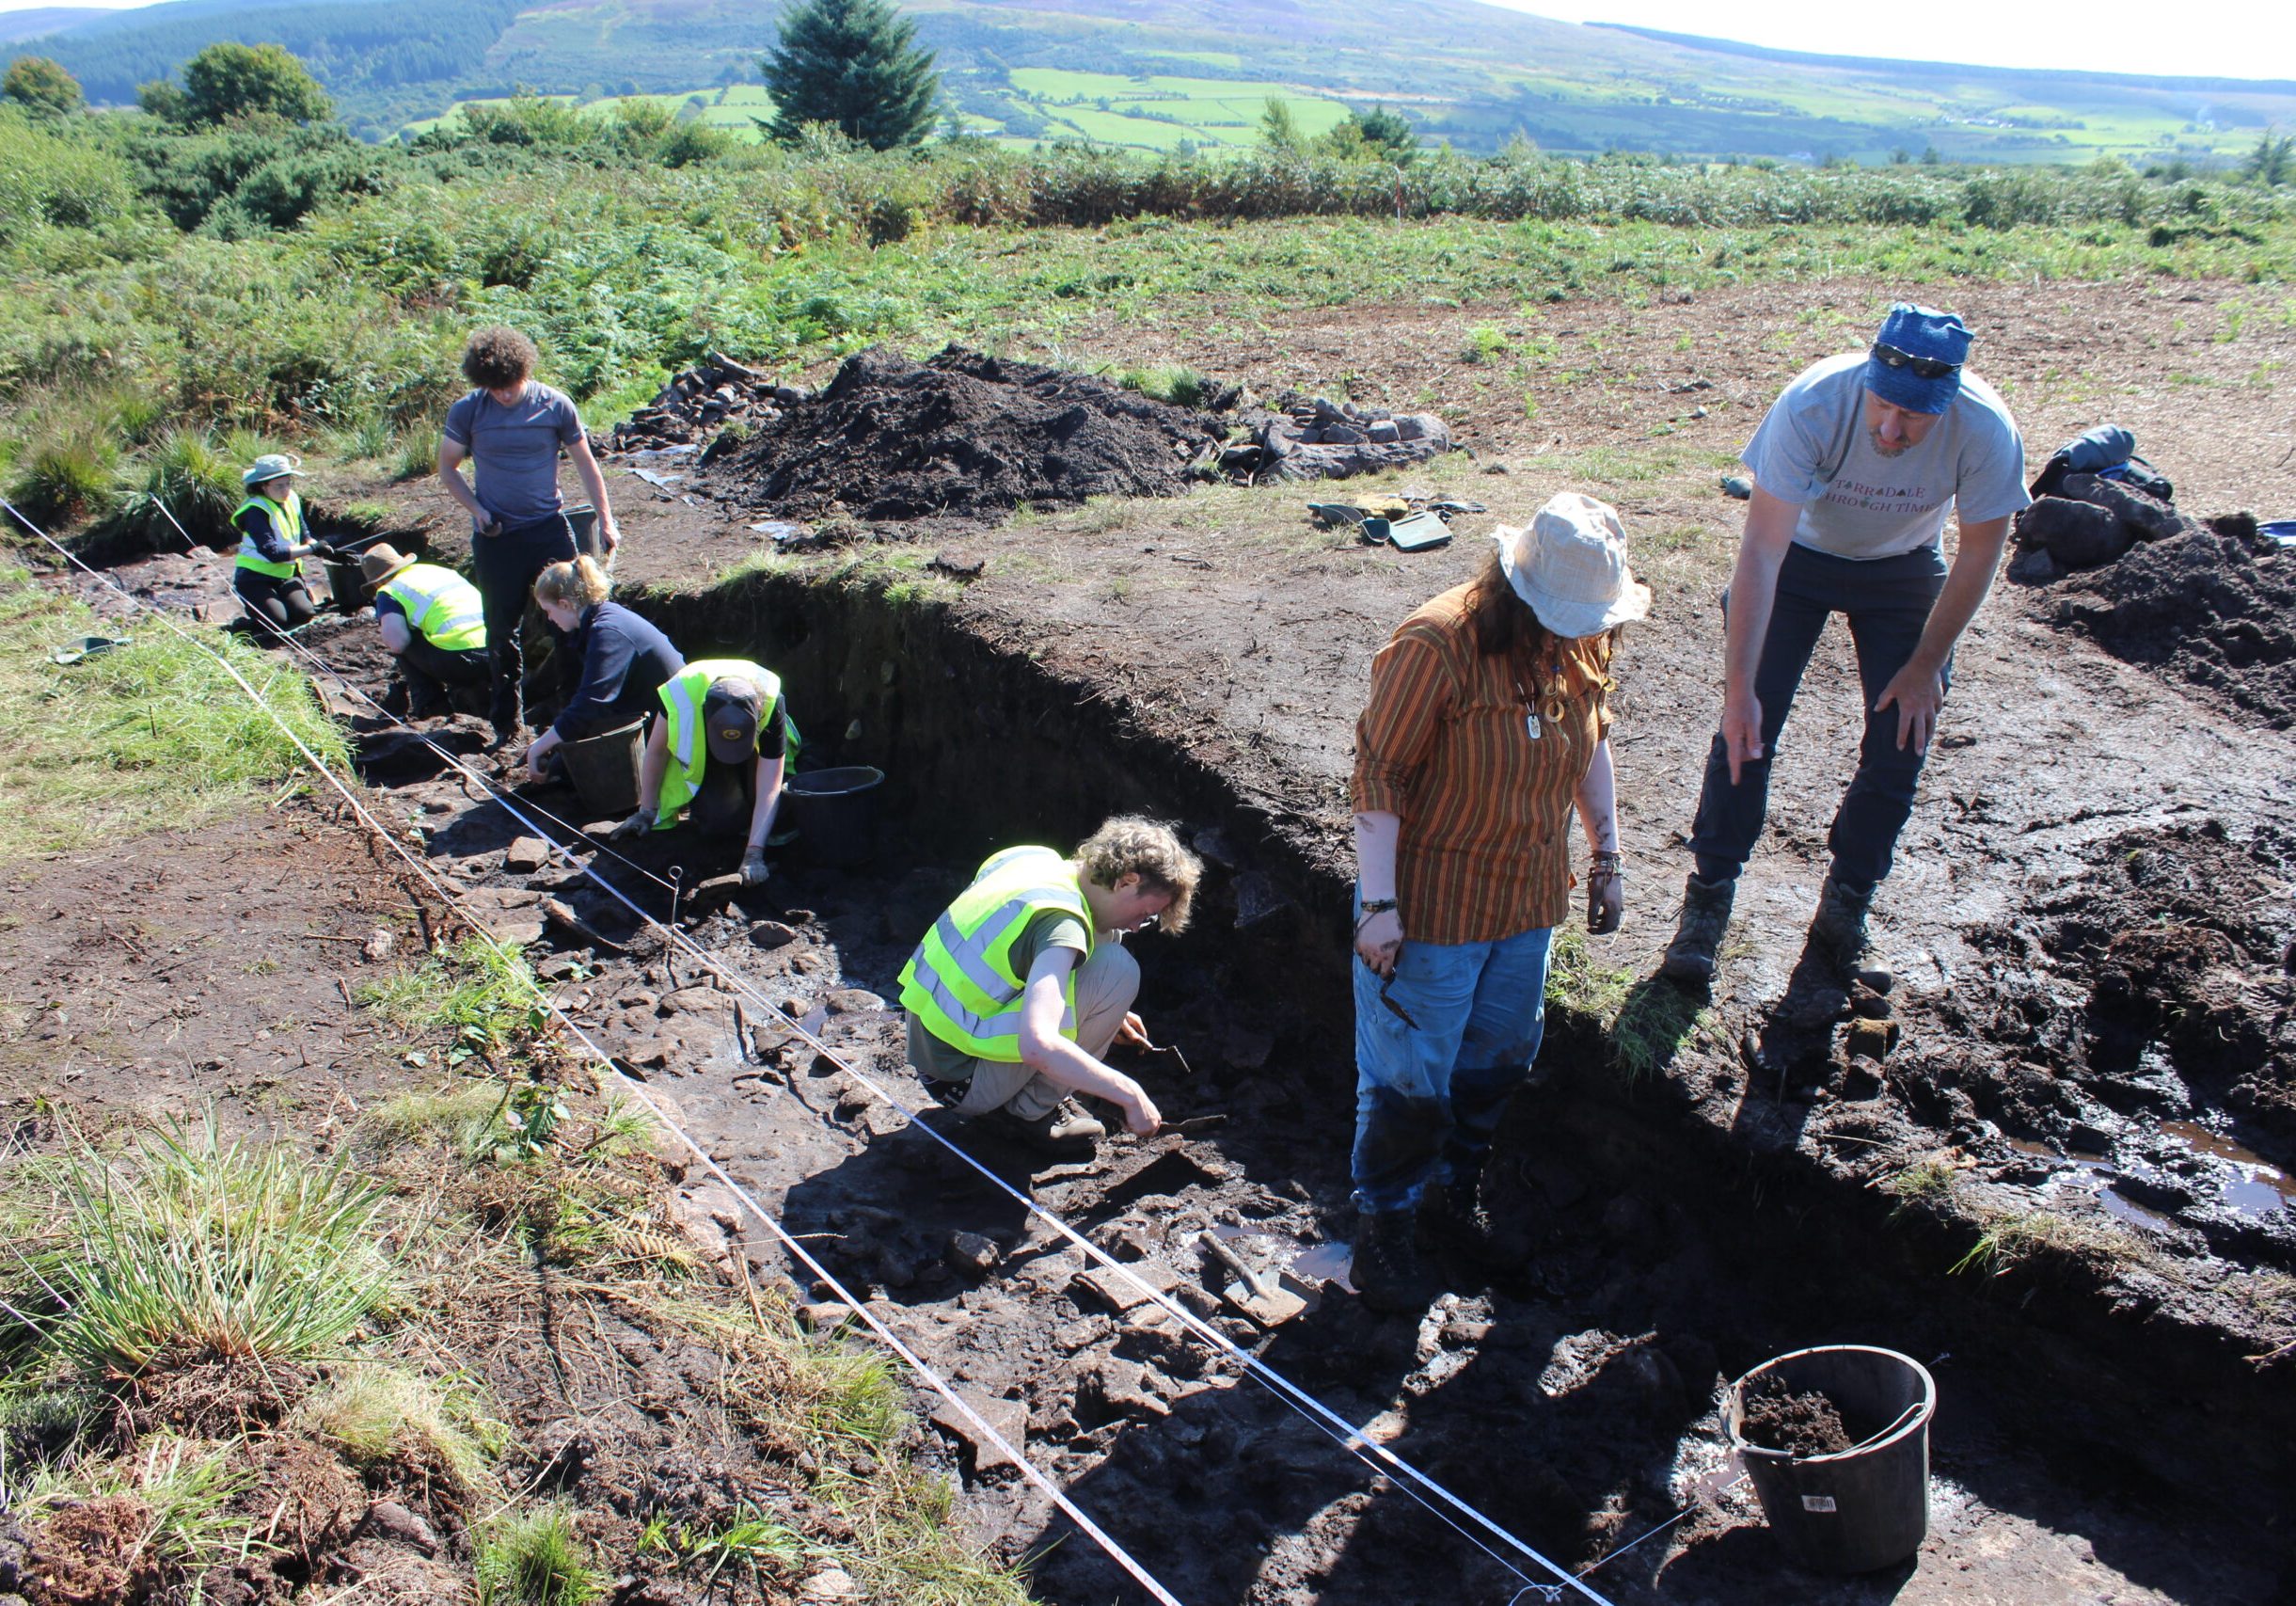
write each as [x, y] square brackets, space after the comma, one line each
[1573, 1405]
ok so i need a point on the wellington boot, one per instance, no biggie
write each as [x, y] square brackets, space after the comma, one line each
[1456, 1218]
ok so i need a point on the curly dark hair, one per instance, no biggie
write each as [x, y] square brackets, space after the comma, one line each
[498, 357]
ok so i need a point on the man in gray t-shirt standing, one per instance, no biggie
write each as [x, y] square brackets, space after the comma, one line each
[513, 427]
[1855, 468]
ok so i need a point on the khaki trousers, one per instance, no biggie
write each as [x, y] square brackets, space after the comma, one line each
[1106, 985]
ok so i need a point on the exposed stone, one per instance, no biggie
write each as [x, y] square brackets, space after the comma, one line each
[379, 946]
[388, 1519]
[1009, 1417]
[772, 935]
[971, 1254]
[526, 856]
[853, 1001]
[831, 1586]
[1122, 1291]
[1871, 1039]
[824, 1315]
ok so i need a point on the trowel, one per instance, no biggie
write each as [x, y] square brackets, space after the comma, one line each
[1260, 1294]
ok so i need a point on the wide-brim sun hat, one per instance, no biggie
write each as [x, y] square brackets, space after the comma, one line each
[271, 466]
[1569, 566]
[1914, 338]
[378, 563]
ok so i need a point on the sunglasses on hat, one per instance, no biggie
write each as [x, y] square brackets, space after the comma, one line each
[1923, 367]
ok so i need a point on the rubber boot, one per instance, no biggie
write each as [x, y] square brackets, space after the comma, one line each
[1457, 1217]
[1386, 1272]
[1705, 916]
[1838, 932]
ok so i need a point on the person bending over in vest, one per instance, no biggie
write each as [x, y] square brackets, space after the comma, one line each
[1854, 470]
[432, 623]
[625, 660]
[722, 750]
[513, 428]
[267, 578]
[1488, 725]
[1024, 983]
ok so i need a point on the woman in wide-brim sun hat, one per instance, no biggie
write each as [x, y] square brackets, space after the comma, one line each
[1488, 726]
[267, 575]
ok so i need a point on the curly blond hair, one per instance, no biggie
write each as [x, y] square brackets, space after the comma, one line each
[578, 580]
[498, 357]
[1129, 845]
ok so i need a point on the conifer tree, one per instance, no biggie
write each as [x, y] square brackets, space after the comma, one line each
[855, 65]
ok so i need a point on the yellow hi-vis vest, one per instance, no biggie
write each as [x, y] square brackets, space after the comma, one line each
[682, 696]
[286, 521]
[445, 608]
[961, 983]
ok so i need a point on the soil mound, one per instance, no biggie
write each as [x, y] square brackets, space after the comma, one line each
[965, 435]
[2215, 606]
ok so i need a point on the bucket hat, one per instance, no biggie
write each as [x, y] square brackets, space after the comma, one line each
[379, 562]
[730, 713]
[271, 466]
[1570, 566]
[1917, 357]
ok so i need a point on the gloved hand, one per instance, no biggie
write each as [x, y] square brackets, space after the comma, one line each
[631, 829]
[1605, 894]
[755, 871]
[332, 554]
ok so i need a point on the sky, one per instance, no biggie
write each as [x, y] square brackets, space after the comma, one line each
[2229, 39]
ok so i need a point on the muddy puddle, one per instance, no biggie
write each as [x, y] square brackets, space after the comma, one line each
[1573, 1403]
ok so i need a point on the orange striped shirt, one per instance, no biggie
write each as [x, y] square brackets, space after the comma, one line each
[1445, 743]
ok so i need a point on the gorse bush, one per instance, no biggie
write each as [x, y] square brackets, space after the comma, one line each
[187, 1249]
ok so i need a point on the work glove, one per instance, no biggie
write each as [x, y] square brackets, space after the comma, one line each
[1605, 894]
[631, 829]
[755, 871]
[331, 553]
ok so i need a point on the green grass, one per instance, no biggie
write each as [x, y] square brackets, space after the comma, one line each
[185, 1249]
[752, 1548]
[183, 1493]
[481, 990]
[377, 1413]
[535, 1558]
[139, 739]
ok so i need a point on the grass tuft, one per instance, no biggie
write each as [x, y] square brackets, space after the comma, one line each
[377, 1414]
[186, 1250]
[535, 1558]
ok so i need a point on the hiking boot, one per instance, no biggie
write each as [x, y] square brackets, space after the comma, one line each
[1705, 916]
[1456, 1216]
[514, 738]
[1062, 1131]
[428, 704]
[395, 700]
[1386, 1271]
[1838, 932]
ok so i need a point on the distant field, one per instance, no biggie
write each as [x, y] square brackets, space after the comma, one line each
[1156, 112]
[736, 109]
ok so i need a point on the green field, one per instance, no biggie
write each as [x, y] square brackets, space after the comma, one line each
[1155, 112]
[736, 108]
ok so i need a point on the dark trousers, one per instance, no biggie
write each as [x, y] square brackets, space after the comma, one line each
[503, 568]
[430, 669]
[727, 798]
[1887, 601]
[282, 604]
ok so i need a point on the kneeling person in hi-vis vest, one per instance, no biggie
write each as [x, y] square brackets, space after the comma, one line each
[722, 750]
[1022, 984]
[432, 622]
[272, 538]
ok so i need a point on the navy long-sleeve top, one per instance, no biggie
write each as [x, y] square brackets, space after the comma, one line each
[625, 660]
[256, 525]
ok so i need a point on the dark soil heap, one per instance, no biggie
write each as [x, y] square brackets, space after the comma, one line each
[2215, 606]
[1801, 1424]
[965, 435]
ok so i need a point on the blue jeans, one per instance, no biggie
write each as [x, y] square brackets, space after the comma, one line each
[1887, 601]
[1429, 1093]
[503, 568]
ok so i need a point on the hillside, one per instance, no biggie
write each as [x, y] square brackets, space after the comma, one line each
[1160, 74]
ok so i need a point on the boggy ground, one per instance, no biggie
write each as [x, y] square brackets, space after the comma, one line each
[1205, 656]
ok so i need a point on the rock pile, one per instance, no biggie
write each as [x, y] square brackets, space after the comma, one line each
[966, 436]
[1310, 437]
[701, 401]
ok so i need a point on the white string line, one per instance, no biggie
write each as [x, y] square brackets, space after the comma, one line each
[288, 639]
[1376, 1457]
[892, 1339]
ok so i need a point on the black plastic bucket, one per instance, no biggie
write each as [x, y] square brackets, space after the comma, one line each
[584, 518]
[834, 813]
[604, 769]
[1860, 1508]
[346, 585]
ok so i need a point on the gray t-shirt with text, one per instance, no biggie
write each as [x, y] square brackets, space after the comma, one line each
[1814, 449]
[513, 449]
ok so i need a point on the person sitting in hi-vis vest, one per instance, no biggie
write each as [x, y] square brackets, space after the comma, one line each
[267, 577]
[433, 622]
[722, 750]
[1025, 981]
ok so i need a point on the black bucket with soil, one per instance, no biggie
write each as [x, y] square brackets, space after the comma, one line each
[834, 814]
[1836, 1442]
[583, 519]
[346, 584]
[604, 769]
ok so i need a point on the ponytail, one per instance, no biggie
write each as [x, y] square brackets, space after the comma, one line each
[578, 581]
